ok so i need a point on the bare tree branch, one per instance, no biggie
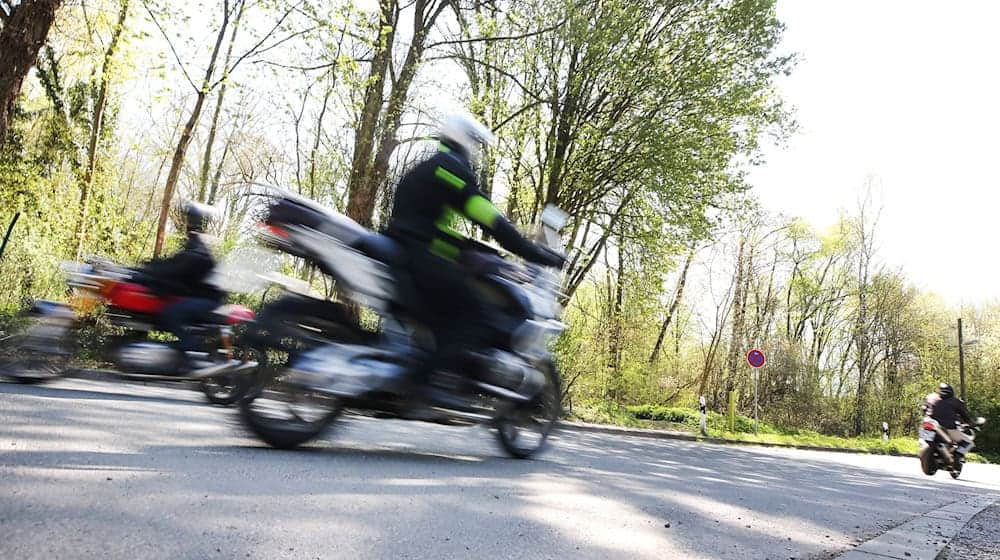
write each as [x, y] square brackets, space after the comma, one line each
[254, 49]
[170, 43]
[527, 35]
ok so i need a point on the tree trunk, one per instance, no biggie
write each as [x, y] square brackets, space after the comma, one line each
[96, 126]
[178, 160]
[369, 174]
[360, 192]
[23, 34]
[314, 152]
[739, 309]
[206, 161]
[678, 294]
[616, 334]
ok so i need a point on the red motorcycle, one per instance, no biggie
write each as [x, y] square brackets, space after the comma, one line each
[53, 332]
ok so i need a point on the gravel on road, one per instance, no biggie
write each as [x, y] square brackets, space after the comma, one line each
[979, 540]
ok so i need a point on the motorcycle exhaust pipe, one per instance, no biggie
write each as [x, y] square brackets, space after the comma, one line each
[228, 367]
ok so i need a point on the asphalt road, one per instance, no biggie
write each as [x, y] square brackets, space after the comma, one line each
[103, 470]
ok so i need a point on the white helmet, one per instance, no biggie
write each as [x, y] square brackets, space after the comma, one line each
[467, 133]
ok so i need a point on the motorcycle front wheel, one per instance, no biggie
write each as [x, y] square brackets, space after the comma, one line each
[227, 389]
[523, 430]
[286, 416]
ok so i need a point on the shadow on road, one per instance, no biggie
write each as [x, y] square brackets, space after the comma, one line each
[381, 489]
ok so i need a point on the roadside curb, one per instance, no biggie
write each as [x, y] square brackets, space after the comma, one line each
[924, 536]
[664, 434]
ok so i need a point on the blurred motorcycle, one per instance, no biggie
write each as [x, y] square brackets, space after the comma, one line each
[937, 450]
[511, 386]
[45, 347]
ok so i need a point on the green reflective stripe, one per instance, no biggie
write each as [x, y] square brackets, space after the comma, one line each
[449, 177]
[481, 210]
[446, 223]
[443, 148]
[444, 249]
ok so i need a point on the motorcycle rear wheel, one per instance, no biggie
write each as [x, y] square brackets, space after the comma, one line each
[523, 430]
[928, 463]
[285, 416]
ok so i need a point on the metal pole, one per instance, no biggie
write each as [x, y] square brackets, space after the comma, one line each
[756, 375]
[10, 228]
[961, 360]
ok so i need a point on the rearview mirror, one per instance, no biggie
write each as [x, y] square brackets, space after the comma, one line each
[980, 421]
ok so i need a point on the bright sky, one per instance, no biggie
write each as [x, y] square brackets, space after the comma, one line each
[906, 92]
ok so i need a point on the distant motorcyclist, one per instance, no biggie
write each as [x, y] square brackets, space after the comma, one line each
[185, 275]
[428, 202]
[950, 411]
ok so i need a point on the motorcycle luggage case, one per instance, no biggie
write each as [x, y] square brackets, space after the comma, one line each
[305, 213]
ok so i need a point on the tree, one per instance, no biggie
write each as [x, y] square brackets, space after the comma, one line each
[375, 137]
[208, 83]
[97, 124]
[25, 26]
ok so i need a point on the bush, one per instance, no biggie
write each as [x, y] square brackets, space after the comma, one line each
[691, 418]
[988, 438]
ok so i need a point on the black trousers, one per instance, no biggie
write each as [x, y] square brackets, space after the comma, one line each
[185, 312]
[448, 305]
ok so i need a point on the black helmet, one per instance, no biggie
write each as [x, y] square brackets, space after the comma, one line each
[946, 391]
[197, 216]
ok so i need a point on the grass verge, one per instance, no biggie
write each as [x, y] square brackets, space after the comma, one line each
[687, 420]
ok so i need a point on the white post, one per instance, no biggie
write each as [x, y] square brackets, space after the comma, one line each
[885, 431]
[703, 407]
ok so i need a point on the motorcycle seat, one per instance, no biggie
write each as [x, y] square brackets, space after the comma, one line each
[381, 248]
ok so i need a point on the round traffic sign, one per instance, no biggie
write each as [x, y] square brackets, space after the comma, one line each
[756, 358]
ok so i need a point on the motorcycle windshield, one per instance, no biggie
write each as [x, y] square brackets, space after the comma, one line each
[248, 268]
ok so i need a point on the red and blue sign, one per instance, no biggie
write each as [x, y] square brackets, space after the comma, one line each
[756, 358]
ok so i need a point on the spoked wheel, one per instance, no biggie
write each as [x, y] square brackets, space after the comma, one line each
[286, 416]
[228, 388]
[524, 429]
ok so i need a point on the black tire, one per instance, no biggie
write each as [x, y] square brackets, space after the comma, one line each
[539, 417]
[223, 390]
[956, 470]
[227, 389]
[928, 463]
[273, 415]
[21, 362]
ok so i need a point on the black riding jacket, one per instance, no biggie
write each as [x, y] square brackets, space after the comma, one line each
[432, 195]
[186, 272]
[947, 411]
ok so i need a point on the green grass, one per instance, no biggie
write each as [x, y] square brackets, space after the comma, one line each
[688, 419]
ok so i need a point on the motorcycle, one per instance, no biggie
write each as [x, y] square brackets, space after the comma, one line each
[938, 451]
[44, 349]
[512, 386]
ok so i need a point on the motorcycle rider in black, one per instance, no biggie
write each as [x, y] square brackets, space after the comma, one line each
[185, 275]
[950, 411]
[428, 202]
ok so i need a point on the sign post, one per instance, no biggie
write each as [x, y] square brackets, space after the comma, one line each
[756, 359]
